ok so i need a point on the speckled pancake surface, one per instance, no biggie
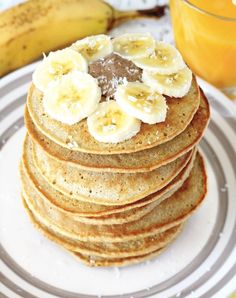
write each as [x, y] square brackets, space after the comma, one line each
[104, 188]
[118, 218]
[131, 214]
[94, 260]
[76, 137]
[141, 161]
[171, 212]
[33, 181]
[108, 250]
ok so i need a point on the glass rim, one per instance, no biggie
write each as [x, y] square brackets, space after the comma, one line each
[208, 12]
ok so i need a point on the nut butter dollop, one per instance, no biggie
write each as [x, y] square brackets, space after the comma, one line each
[112, 71]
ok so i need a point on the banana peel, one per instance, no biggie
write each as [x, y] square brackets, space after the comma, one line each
[39, 26]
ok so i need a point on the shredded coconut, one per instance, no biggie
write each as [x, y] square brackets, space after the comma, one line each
[91, 260]
[72, 143]
[117, 272]
[168, 81]
[132, 98]
[147, 110]
[108, 128]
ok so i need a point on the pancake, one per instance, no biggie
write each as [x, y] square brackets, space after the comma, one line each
[28, 188]
[171, 212]
[78, 210]
[94, 261]
[104, 188]
[105, 249]
[179, 115]
[141, 161]
[118, 218]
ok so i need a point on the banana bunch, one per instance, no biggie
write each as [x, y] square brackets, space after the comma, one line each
[36, 26]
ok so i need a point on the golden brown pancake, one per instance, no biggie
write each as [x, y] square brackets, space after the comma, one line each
[94, 261]
[108, 250]
[131, 214]
[141, 161]
[104, 188]
[179, 115]
[78, 210]
[171, 212]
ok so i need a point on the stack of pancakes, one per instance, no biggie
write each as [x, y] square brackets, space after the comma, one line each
[114, 204]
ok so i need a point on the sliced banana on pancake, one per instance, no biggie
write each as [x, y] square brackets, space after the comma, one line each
[132, 46]
[110, 124]
[55, 65]
[165, 59]
[141, 101]
[72, 98]
[94, 47]
[174, 85]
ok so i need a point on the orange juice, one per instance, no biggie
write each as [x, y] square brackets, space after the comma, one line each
[205, 33]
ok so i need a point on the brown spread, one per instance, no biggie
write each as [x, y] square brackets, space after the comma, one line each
[112, 71]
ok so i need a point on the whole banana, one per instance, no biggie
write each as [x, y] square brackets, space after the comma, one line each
[36, 26]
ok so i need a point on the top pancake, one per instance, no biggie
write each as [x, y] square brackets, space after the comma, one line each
[76, 137]
[142, 161]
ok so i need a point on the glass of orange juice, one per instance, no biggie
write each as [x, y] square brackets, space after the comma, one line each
[205, 33]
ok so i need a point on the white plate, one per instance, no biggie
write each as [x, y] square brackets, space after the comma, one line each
[200, 263]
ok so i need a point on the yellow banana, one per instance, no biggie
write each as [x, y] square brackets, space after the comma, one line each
[36, 26]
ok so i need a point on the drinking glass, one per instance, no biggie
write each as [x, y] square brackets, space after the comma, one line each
[206, 40]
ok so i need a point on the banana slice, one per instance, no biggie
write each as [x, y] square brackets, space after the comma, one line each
[141, 101]
[57, 64]
[94, 47]
[175, 85]
[165, 59]
[132, 46]
[72, 98]
[110, 124]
